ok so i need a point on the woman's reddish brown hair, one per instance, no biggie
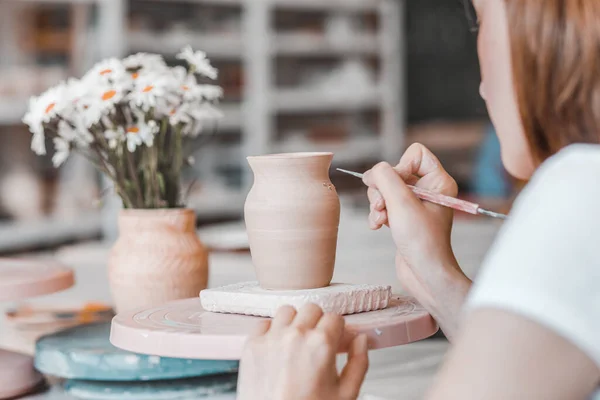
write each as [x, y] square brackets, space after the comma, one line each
[555, 47]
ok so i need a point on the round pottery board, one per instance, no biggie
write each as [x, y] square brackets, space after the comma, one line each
[85, 353]
[17, 375]
[179, 389]
[184, 329]
[21, 279]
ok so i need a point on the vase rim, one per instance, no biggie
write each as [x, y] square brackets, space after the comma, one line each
[296, 155]
[147, 211]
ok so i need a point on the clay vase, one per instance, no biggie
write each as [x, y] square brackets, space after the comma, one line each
[292, 215]
[156, 258]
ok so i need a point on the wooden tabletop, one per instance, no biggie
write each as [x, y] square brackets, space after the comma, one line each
[363, 257]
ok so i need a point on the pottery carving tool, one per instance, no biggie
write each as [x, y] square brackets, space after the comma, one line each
[442, 200]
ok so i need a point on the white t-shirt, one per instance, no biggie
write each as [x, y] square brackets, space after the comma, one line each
[545, 263]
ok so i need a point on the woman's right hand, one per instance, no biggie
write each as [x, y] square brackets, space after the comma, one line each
[425, 262]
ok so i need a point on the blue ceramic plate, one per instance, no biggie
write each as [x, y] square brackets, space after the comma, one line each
[179, 389]
[85, 353]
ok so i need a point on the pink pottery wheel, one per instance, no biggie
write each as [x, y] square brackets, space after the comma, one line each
[17, 375]
[184, 329]
[21, 279]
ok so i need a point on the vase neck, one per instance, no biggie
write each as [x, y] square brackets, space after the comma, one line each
[292, 166]
[181, 220]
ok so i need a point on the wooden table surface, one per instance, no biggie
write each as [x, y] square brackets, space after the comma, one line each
[363, 257]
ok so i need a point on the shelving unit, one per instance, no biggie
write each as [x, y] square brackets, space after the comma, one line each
[252, 117]
[88, 44]
[302, 101]
[310, 45]
[257, 47]
[264, 101]
[218, 47]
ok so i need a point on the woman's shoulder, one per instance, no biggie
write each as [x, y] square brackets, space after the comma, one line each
[573, 174]
[571, 161]
[545, 263]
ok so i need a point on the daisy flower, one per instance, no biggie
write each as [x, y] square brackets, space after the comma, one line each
[75, 91]
[141, 133]
[62, 149]
[42, 110]
[190, 90]
[144, 62]
[38, 141]
[186, 83]
[210, 92]
[101, 102]
[198, 61]
[152, 91]
[180, 115]
[75, 133]
[108, 71]
[188, 113]
[114, 137]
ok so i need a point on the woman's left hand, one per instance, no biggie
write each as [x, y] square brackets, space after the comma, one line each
[295, 359]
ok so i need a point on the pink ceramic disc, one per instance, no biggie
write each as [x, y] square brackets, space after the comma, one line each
[184, 329]
[17, 375]
[21, 279]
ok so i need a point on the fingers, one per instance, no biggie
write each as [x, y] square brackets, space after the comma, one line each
[418, 167]
[378, 215]
[391, 186]
[305, 319]
[419, 161]
[283, 318]
[308, 317]
[263, 328]
[333, 326]
[376, 199]
[355, 370]
[377, 219]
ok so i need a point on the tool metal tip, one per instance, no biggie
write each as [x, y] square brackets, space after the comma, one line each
[356, 174]
[492, 214]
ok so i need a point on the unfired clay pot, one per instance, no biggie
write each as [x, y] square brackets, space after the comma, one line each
[292, 215]
[157, 258]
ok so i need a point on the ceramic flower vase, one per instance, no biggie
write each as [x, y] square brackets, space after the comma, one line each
[157, 258]
[292, 215]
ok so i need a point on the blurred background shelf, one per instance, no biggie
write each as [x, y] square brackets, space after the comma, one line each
[54, 2]
[304, 5]
[48, 232]
[232, 117]
[359, 149]
[218, 204]
[313, 45]
[329, 5]
[216, 46]
[230, 46]
[325, 101]
[12, 110]
[297, 76]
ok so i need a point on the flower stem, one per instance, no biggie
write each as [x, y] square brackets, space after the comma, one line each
[135, 178]
[177, 164]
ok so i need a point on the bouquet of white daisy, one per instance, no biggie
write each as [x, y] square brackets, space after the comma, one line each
[132, 119]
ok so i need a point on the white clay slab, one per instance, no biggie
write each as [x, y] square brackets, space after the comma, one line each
[184, 329]
[248, 298]
[21, 278]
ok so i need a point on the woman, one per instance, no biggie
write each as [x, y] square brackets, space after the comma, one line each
[530, 327]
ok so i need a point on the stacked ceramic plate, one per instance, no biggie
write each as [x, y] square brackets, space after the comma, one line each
[96, 370]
